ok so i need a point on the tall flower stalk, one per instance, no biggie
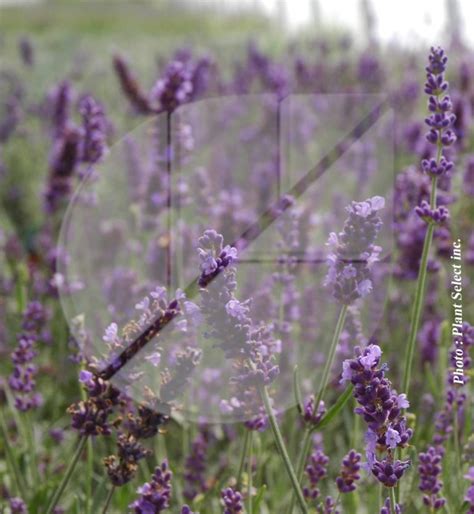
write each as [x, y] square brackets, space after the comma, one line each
[441, 135]
[352, 254]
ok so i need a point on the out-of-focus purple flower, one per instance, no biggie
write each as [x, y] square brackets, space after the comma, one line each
[174, 88]
[213, 255]
[18, 506]
[430, 483]
[349, 473]
[93, 144]
[352, 251]
[64, 158]
[469, 497]
[60, 100]
[328, 506]
[316, 470]
[22, 379]
[195, 467]
[232, 501]
[154, 496]
[468, 179]
[186, 510]
[27, 52]
[130, 86]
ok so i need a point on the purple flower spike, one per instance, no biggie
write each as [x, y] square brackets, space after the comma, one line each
[381, 408]
[232, 501]
[349, 473]
[353, 252]
[186, 510]
[469, 497]
[174, 89]
[22, 380]
[154, 495]
[430, 483]
[316, 470]
[94, 145]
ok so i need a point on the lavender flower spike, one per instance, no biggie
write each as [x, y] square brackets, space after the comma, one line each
[232, 501]
[349, 473]
[430, 483]
[353, 252]
[154, 495]
[469, 497]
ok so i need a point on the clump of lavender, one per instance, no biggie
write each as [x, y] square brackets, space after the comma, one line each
[349, 473]
[430, 483]
[154, 496]
[22, 380]
[231, 325]
[381, 408]
[353, 252]
[232, 501]
[316, 470]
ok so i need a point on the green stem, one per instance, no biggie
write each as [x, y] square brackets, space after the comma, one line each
[90, 473]
[283, 451]
[243, 457]
[12, 462]
[419, 296]
[306, 445]
[67, 475]
[393, 502]
[250, 484]
[108, 500]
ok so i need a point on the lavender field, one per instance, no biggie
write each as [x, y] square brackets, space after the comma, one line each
[237, 264]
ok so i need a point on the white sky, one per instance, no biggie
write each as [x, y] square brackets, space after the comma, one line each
[406, 21]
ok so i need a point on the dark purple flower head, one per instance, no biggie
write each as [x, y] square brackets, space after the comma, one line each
[186, 510]
[389, 473]
[232, 501]
[352, 251]
[310, 415]
[349, 473]
[195, 467]
[174, 88]
[154, 495]
[430, 483]
[429, 215]
[469, 497]
[27, 51]
[94, 144]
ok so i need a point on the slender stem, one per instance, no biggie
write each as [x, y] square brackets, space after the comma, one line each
[67, 475]
[12, 462]
[243, 457]
[108, 500]
[393, 502]
[419, 297]
[250, 484]
[306, 445]
[90, 473]
[457, 446]
[283, 451]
